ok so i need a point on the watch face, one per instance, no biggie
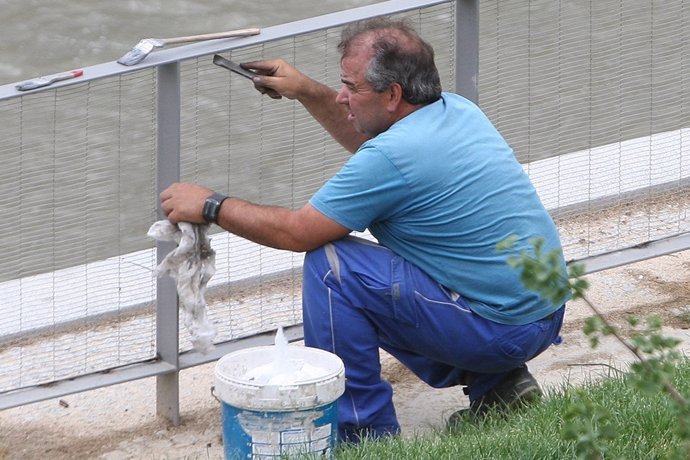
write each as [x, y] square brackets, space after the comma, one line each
[212, 207]
[210, 211]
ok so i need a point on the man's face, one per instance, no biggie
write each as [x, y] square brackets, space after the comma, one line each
[367, 108]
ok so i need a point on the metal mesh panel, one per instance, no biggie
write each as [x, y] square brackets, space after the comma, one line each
[592, 97]
[76, 190]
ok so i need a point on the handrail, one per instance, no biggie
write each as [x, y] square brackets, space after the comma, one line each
[195, 50]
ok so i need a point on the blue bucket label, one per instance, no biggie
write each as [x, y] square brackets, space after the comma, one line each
[260, 435]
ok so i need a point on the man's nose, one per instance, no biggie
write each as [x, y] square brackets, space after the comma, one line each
[341, 97]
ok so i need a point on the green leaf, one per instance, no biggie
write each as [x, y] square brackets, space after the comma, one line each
[506, 244]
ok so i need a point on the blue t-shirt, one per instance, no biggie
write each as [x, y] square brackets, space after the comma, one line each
[441, 188]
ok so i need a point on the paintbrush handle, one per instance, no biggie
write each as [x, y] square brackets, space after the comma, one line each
[213, 36]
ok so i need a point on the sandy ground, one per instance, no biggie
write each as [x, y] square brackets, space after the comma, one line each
[119, 422]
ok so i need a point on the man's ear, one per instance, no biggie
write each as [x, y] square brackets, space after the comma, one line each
[396, 96]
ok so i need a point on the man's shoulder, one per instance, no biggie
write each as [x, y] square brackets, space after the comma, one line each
[456, 100]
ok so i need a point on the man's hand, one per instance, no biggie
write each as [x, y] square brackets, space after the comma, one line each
[281, 78]
[184, 202]
[277, 77]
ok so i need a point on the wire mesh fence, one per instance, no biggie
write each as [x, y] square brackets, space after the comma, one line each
[591, 97]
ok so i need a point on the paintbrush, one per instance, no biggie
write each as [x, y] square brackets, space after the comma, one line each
[145, 46]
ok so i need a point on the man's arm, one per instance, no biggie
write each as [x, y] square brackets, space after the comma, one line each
[282, 228]
[317, 98]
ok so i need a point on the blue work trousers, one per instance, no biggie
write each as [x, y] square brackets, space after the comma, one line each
[359, 296]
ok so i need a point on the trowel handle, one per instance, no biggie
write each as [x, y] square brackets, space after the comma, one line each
[213, 36]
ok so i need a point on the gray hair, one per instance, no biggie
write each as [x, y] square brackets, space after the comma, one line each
[400, 56]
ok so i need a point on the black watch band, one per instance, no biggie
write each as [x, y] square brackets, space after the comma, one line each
[212, 207]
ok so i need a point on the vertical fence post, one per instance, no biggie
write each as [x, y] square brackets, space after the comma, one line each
[168, 171]
[467, 49]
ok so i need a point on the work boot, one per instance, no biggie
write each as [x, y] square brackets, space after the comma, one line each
[517, 389]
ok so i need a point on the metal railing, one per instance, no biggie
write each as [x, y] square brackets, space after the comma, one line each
[83, 162]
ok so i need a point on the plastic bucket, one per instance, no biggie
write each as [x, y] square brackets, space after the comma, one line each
[288, 415]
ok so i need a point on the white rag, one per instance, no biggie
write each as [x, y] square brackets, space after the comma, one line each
[191, 264]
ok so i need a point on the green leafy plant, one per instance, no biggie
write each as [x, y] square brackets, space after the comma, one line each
[586, 424]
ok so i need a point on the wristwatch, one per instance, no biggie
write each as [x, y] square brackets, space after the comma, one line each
[212, 207]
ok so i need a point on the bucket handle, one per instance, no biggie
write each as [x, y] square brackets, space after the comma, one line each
[213, 393]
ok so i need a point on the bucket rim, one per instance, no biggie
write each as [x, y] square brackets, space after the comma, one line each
[333, 372]
[237, 391]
